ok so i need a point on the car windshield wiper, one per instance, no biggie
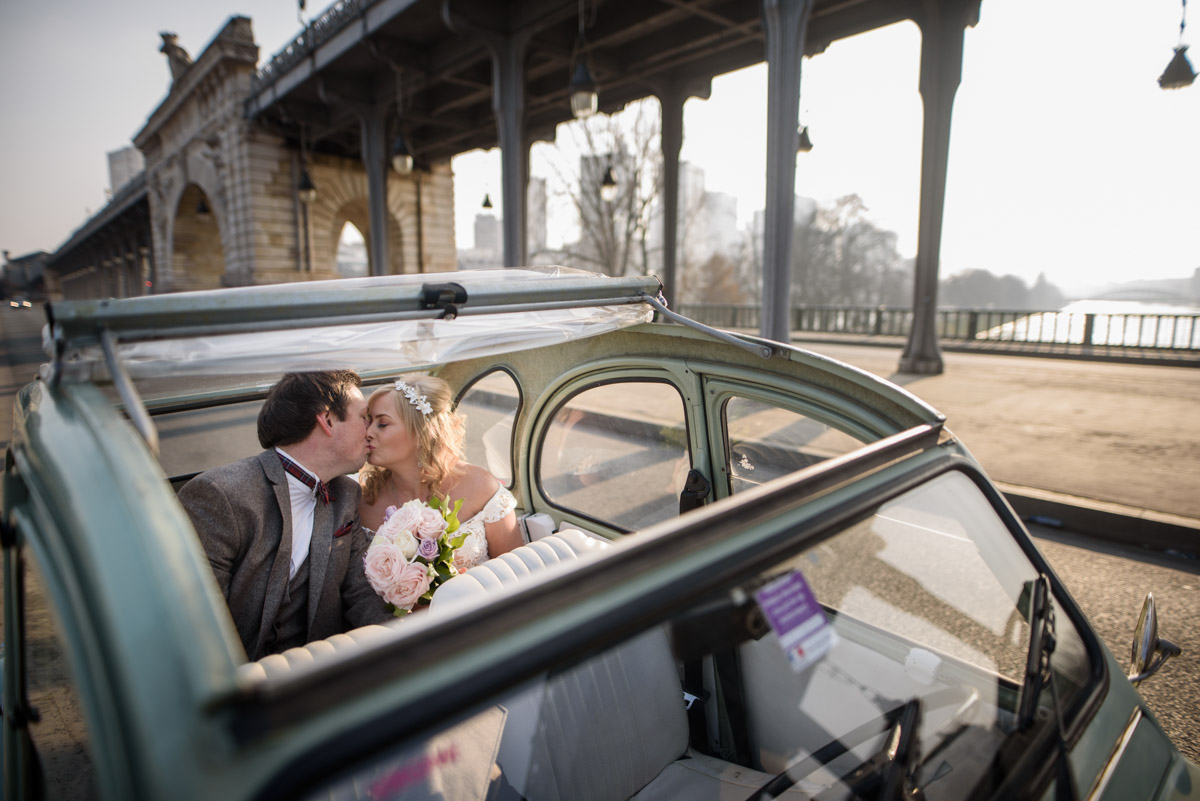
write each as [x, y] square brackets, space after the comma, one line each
[1039, 674]
[1041, 646]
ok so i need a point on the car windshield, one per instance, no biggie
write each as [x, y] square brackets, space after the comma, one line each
[892, 650]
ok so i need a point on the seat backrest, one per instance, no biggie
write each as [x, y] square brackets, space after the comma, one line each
[507, 570]
[600, 730]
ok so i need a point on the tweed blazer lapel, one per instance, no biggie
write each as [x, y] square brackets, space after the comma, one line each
[281, 568]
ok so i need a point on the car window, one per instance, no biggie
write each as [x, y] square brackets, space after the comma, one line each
[490, 405]
[617, 453]
[907, 625]
[766, 441]
[58, 731]
[194, 440]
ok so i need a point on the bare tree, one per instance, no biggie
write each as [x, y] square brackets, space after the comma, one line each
[614, 235]
[840, 257]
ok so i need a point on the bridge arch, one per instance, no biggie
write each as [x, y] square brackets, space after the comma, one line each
[342, 197]
[197, 250]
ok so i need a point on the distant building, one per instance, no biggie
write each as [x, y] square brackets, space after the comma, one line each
[536, 220]
[720, 221]
[489, 234]
[123, 165]
[24, 275]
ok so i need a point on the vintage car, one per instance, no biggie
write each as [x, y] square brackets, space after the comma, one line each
[751, 572]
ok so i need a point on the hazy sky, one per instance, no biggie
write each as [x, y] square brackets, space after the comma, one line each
[1065, 155]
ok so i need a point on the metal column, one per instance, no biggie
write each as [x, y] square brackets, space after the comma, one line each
[375, 160]
[785, 24]
[508, 50]
[508, 102]
[941, 72]
[672, 101]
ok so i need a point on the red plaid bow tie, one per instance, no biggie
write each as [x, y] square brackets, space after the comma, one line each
[320, 488]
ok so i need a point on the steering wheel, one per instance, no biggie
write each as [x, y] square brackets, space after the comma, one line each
[900, 752]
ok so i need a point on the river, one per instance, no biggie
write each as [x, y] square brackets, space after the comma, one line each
[1114, 322]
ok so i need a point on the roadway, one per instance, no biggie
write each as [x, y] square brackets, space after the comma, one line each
[1080, 428]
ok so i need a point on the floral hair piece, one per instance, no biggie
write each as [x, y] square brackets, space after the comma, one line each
[419, 402]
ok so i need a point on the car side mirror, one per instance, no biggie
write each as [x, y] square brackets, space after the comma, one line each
[1149, 651]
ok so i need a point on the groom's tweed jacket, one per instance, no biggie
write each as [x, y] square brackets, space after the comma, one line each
[243, 515]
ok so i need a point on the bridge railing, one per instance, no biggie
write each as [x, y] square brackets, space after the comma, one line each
[1162, 331]
[320, 30]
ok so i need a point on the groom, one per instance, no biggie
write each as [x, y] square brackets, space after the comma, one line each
[281, 528]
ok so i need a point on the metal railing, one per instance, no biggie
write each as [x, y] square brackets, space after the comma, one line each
[320, 30]
[1117, 330]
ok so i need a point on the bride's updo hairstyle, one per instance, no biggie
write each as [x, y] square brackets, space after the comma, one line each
[423, 403]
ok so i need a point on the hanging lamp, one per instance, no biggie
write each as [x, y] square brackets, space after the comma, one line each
[584, 98]
[1179, 72]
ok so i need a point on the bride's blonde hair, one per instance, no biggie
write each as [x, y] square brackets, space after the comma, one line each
[440, 434]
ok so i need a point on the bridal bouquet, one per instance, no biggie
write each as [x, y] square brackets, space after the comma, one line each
[413, 552]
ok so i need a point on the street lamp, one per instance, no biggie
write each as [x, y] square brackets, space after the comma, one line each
[402, 160]
[804, 144]
[1179, 72]
[306, 190]
[584, 99]
[608, 186]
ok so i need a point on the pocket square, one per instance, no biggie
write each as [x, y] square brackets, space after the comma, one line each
[344, 530]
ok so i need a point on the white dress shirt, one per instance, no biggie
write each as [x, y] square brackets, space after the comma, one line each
[304, 505]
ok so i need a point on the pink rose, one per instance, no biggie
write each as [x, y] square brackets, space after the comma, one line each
[413, 582]
[384, 566]
[403, 519]
[430, 524]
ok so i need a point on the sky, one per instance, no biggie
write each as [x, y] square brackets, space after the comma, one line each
[1065, 155]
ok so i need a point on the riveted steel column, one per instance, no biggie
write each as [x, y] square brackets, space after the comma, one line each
[508, 103]
[941, 72]
[374, 148]
[785, 24]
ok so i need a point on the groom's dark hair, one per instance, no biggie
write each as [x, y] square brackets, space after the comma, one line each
[290, 411]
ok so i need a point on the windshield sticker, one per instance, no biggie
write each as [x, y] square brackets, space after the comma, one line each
[797, 619]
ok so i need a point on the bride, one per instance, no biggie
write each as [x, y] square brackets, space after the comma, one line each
[415, 450]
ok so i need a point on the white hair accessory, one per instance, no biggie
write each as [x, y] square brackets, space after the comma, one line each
[419, 401]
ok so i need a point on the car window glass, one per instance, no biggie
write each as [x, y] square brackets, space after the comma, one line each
[490, 406]
[766, 441]
[59, 732]
[618, 453]
[193, 440]
[908, 623]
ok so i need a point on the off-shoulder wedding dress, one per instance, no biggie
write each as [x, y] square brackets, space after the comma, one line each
[474, 550]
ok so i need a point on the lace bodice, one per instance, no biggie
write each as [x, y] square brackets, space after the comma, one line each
[474, 550]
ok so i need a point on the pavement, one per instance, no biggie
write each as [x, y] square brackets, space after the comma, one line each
[1106, 449]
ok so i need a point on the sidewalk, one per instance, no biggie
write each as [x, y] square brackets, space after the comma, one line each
[1104, 449]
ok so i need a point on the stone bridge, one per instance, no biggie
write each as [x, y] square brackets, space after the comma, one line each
[217, 205]
[232, 153]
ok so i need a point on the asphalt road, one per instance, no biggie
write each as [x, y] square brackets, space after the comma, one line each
[1108, 583]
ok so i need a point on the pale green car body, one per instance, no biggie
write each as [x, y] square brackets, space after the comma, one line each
[96, 542]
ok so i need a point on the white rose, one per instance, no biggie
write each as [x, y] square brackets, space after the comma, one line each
[406, 542]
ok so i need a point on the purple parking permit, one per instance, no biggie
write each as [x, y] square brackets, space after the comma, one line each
[797, 620]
